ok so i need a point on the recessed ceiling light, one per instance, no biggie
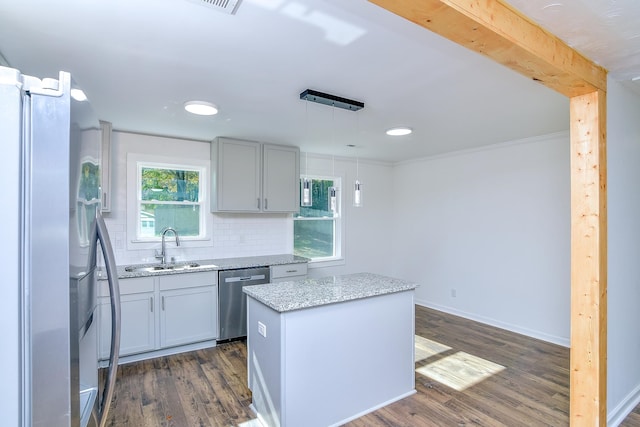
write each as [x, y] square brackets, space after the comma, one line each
[399, 131]
[78, 95]
[201, 108]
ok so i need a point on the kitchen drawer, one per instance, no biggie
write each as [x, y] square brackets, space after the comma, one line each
[188, 280]
[134, 285]
[288, 270]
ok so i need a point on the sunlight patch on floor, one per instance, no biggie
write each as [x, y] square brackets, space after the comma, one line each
[460, 370]
[425, 348]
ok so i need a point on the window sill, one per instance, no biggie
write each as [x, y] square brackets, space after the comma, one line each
[334, 262]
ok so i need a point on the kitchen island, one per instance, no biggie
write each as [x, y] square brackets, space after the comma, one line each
[321, 352]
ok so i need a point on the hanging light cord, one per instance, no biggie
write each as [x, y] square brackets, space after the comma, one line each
[306, 154]
[333, 139]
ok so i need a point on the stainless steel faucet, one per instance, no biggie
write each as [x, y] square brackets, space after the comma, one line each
[163, 254]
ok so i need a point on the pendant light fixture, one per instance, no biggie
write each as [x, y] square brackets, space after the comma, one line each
[334, 101]
[333, 198]
[357, 187]
[306, 198]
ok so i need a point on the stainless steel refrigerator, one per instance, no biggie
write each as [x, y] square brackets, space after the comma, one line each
[50, 160]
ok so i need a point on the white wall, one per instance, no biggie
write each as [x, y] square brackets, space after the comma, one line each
[623, 170]
[493, 226]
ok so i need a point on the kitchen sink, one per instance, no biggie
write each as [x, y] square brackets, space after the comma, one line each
[166, 267]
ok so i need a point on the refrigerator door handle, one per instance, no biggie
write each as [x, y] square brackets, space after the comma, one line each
[114, 291]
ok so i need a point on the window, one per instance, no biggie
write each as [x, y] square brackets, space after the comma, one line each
[165, 193]
[317, 230]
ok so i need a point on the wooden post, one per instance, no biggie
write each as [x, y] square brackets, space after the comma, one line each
[496, 30]
[588, 260]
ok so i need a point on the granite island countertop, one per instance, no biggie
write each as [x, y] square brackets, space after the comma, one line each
[211, 265]
[307, 293]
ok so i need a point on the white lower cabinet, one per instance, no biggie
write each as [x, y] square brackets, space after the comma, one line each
[160, 312]
[138, 331]
[186, 315]
[137, 325]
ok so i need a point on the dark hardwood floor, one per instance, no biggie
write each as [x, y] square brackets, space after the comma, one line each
[633, 419]
[531, 387]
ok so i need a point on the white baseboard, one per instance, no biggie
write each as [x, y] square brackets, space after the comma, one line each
[618, 414]
[563, 341]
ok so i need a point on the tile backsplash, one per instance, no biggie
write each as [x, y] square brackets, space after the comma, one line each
[232, 236]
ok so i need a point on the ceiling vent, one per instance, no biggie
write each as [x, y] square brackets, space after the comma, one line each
[224, 6]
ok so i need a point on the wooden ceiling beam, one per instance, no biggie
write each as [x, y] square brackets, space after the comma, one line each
[501, 33]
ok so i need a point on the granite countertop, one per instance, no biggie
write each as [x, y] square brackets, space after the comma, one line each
[210, 265]
[307, 293]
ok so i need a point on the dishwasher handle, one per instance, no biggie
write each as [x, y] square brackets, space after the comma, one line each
[244, 278]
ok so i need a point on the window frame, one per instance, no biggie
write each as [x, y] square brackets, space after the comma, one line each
[338, 224]
[135, 163]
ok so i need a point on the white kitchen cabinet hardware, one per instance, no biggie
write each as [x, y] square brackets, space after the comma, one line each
[249, 176]
[288, 272]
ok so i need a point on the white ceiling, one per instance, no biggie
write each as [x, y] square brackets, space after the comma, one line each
[139, 61]
[606, 31]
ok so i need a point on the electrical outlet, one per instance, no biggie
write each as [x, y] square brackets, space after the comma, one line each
[262, 329]
[453, 293]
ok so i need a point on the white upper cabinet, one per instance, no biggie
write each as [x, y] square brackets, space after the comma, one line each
[280, 178]
[250, 176]
[235, 170]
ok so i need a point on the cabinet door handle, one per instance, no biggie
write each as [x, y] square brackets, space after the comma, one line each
[163, 303]
[258, 202]
[151, 299]
[265, 204]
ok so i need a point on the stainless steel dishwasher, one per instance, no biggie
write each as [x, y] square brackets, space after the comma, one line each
[232, 302]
